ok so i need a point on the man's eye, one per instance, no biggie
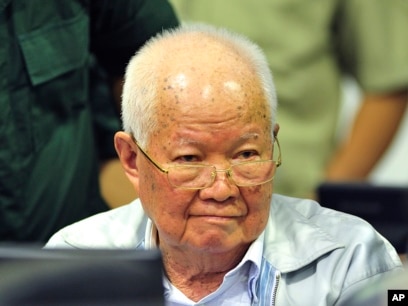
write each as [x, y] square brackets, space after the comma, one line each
[248, 155]
[187, 159]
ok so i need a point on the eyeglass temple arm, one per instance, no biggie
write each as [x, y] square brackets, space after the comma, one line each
[148, 157]
[279, 161]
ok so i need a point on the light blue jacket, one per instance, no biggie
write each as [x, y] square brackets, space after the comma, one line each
[321, 256]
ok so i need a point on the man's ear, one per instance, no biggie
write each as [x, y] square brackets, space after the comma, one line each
[276, 130]
[127, 152]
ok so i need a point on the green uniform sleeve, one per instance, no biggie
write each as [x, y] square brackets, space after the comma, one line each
[373, 42]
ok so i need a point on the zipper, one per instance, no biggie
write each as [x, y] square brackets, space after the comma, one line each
[275, 289]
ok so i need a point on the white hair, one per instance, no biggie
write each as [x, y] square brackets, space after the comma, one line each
[139, 98]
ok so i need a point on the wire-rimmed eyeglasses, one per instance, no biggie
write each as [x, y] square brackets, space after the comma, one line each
[201, 176]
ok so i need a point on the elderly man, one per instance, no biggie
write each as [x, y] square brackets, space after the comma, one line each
[200, 148]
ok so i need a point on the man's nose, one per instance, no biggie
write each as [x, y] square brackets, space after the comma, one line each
[222, 187]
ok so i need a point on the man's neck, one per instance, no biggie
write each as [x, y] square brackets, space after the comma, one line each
[198, 274]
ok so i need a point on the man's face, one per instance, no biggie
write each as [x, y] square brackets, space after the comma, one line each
[216, 120]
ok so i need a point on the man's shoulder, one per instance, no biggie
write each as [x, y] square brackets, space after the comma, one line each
[121, 227]
[317, 231]
[310, 244]
[313, 213]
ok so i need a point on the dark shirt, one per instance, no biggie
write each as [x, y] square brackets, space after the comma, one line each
[57, 115]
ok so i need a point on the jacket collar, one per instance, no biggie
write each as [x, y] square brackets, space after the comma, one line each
[292, 239]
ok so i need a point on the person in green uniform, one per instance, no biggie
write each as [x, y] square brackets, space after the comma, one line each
[59, 62]
[311, 46]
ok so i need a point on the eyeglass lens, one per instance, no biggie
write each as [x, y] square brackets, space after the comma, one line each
[201, 176]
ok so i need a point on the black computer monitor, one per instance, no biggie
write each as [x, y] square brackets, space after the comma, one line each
[34, 276]
[384, 207]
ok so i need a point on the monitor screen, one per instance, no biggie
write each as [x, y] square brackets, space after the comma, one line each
[34, 276]
[384, 207]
